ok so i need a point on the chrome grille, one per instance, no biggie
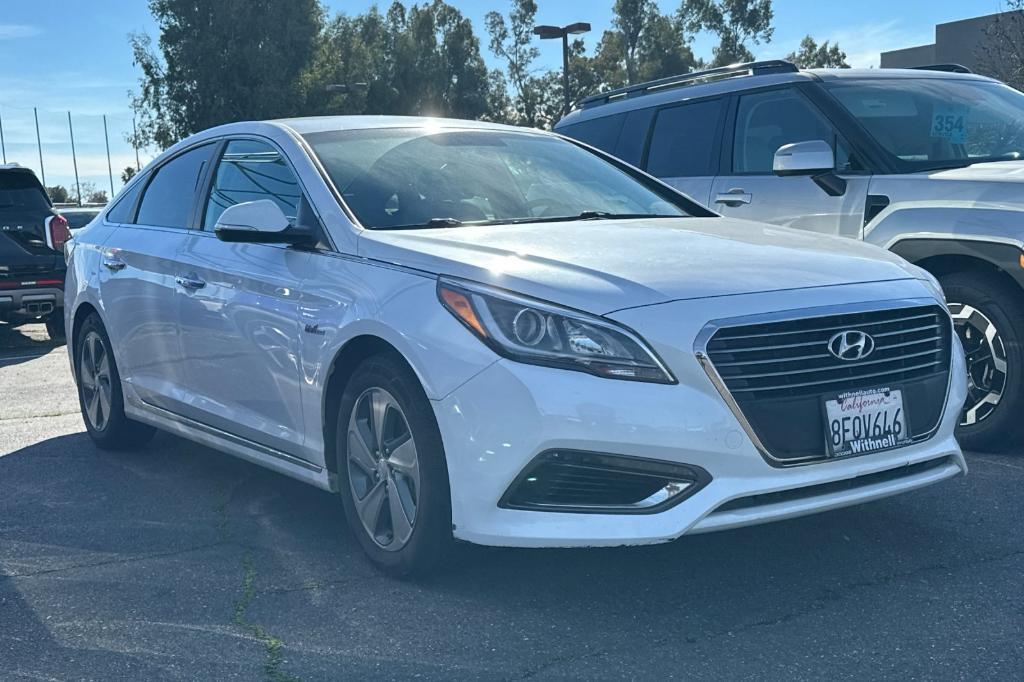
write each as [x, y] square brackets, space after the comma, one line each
[779, 373]
[792, 359]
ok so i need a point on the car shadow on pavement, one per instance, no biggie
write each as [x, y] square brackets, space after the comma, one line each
[180, 534]
[24, 342]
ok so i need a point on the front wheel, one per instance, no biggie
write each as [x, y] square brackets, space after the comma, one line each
[988, 315]
[393, 478]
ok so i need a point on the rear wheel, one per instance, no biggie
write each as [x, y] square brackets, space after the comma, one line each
[99, 391]
[55, 326]
[392, 474]
[988, 315]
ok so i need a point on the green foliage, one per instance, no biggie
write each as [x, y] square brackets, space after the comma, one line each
[735, 22]
[218, 61]
[811, 55]
[128, 173]
[58, 194]
[1001, 54]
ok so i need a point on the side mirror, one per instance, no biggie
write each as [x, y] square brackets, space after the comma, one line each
[259, 222]
[814, 158]
[804, 158]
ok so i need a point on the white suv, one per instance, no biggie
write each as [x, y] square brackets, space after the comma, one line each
[500, 336]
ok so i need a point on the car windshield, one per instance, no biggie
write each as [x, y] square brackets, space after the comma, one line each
[428, 177]
[930, 123]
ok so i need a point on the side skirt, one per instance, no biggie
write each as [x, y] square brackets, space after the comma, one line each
[258, 454]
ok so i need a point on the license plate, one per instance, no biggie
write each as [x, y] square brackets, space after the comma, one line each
[860, 422]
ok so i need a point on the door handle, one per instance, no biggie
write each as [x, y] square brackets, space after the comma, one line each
[189, 282]
[734, 197]
[113, 262]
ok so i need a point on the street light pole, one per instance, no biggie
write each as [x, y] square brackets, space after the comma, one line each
[563, 32]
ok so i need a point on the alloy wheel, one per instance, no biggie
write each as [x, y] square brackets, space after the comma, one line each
[986, 362]
[94, 375]
[383, 469]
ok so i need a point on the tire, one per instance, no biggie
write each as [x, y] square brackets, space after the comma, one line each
[99, 391]
[980, 303]
[55, 326]
[413, 481]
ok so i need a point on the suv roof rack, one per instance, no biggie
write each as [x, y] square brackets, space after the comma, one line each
[693, 78]
[951, 68]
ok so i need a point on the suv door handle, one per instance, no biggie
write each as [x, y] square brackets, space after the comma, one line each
[190, 282]
[734, 197]
[113, 262]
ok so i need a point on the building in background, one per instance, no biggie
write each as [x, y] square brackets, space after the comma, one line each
[957, 42]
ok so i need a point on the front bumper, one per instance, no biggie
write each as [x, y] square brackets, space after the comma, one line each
[495, 424]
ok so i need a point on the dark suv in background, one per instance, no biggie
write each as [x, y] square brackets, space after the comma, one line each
[32, 236]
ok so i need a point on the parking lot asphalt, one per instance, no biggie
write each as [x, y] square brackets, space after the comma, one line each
[178, 562]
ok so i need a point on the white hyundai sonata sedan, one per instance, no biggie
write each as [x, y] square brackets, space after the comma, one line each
[482, 333]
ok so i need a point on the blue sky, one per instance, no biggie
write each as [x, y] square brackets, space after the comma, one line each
[66, 54]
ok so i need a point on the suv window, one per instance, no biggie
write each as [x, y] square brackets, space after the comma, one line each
[20, 190]
[251, 170]
[684, 140]
[602, 133]
[767, 120]
[167, 201]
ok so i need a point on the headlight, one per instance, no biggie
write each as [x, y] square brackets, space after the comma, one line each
[531, 331]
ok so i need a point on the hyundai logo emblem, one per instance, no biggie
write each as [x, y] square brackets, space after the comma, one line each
[851, 345]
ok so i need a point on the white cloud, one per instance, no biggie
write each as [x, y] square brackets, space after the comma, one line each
[863, 43]
[11, 31]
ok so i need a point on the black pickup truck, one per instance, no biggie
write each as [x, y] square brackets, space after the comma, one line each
[32, 236]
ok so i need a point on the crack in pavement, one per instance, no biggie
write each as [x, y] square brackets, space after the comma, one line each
[271, 644]
[829, 597]
[110, 562]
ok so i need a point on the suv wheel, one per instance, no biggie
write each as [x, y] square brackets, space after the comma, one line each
[392, 474]
[988, 316]
[55, 326]
[99, 391]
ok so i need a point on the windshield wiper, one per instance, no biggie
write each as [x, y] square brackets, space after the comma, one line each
[432, 223]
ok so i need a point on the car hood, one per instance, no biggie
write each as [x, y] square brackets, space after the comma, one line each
[602, 266]
[998, 183]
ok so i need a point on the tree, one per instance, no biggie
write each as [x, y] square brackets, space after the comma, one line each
[735, 22]
[128, 173]
[58, 194]
[512, 41]
[97, 197]
[220, 61]
[814, 56]
[643, 45]
[1001, 54]
[420, 60]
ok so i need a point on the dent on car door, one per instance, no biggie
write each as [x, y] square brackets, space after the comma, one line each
[748, 188]
[240, 331]
[138, 280]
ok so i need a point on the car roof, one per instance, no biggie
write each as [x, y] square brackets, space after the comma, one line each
[742, 81]
[319, 124]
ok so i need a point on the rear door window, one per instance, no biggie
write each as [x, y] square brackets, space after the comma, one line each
[684, 140]
[170, 196]
[124, 204]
